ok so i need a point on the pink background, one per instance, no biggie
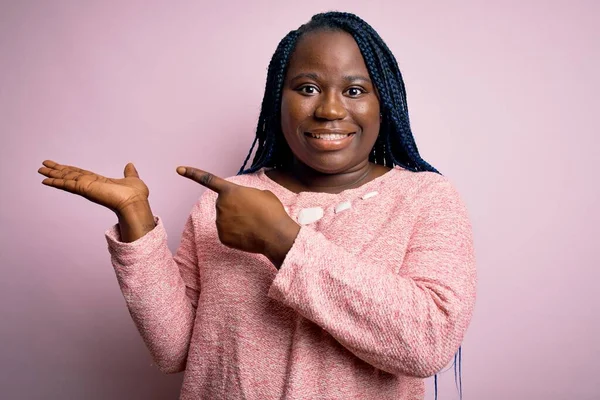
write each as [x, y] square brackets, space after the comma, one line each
[503, 99]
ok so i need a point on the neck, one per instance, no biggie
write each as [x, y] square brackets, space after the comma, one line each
[315, 181]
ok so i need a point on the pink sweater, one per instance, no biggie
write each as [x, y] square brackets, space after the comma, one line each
[373, 297]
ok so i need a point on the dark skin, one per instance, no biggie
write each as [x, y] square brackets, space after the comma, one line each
[327, 91]
[327, 87]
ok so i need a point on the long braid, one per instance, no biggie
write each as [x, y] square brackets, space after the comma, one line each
[405, 153]
[268, 131]
[280, 159]
[268, 121]
[403, 148]
[388, 53]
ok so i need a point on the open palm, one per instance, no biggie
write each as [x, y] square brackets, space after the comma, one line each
[115, 194]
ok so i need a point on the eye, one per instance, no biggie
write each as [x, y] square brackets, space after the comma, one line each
[355, 91]
[308, 89]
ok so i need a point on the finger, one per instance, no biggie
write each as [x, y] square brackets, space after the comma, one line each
[130, 171]
[53, 165]
[49, 163]
[66, 185]
[206, 179]
[62, 174]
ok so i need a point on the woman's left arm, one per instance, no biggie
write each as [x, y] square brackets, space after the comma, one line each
[410, 323]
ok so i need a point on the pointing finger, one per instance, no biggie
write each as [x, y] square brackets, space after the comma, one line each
[206, 179]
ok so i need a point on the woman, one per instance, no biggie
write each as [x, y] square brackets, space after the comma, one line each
[339, 265]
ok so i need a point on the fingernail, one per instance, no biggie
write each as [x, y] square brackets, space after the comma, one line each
[181, 170]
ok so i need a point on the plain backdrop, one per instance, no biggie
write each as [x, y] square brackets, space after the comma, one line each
[503, 99]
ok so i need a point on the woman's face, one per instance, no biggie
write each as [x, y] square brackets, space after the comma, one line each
[329, 110]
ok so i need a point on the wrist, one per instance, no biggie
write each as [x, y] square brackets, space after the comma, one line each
[135, 221]
[136, 210]
[277, 247]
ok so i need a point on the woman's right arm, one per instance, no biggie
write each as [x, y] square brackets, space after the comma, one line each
[161, 291]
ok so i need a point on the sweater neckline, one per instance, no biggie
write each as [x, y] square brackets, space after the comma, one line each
[372, 185]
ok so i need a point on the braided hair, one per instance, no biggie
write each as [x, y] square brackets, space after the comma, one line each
[395, 144]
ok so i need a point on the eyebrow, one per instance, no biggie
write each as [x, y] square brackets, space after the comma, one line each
[309, 75]
[347, 78]
[352, 78]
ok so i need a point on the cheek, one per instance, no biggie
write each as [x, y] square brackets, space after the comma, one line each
[287, 111]
[284, 110]
[294, 110]
[367, 115]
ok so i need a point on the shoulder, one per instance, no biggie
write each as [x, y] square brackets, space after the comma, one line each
[427, 191]
[408, 183]
[433, 184]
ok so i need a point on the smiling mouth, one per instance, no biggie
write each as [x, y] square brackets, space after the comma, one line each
[329, 136]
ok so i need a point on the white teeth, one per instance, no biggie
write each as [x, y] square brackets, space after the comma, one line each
[329, 136]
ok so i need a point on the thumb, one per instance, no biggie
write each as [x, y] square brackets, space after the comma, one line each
[130, 171]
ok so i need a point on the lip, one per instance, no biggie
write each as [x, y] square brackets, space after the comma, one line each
[329, 145]
[336, 131]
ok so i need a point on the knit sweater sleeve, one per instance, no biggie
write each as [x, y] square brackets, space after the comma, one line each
[408, 323]
[161, 290]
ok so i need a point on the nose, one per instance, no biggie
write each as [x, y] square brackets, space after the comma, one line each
[330, 107]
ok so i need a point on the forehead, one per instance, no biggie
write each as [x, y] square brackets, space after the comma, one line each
[327, 52]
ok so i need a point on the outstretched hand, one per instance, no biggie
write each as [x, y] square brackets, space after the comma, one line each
[117, 194]
[248, 219]
[127, 196]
